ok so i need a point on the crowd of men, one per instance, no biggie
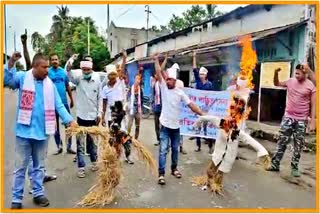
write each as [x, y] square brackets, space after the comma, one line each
[43, 100]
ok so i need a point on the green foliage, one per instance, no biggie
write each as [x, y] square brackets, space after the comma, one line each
[195, 15]
[69, 35]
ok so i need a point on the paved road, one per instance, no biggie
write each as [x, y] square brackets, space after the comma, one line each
[247, 186]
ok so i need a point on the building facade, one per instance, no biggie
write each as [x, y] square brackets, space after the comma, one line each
[124, 38]
[280, 33]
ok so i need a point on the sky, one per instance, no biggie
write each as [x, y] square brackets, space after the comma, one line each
[39, 18]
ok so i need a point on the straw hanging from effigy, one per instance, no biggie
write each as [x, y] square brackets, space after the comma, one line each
[109, 168]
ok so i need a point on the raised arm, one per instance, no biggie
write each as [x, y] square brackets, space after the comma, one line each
[276, 81]
[123, 65]
[311, 74]
[11, 76]
[70, 62]
[158, 68]
[194, 60]
[195, 69]
[163, 67]
[25, 50]
[164, 63]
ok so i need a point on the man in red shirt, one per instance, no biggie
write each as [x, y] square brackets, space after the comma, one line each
[301, 94]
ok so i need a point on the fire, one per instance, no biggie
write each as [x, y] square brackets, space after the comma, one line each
[238, 110]
[248, 60]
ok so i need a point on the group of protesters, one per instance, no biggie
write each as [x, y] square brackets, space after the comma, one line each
[42, 100]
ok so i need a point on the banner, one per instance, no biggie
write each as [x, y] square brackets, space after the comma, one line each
[211, 102]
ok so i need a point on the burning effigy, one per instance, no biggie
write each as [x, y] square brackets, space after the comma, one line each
[109, 166]
[230, 133]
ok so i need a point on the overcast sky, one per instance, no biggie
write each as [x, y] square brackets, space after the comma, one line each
[39, 17]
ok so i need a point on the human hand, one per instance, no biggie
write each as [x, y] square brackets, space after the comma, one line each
[75, 56]
[124, 53]
[24, 38]
[71, 104]
[278, 70]
[15, 56]
[312, 125]
[98, 119]
[73, 124]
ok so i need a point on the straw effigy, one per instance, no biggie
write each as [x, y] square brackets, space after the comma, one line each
[109, 167]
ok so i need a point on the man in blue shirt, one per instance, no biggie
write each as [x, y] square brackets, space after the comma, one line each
[37, 100]
[202, 83]
[61, 81]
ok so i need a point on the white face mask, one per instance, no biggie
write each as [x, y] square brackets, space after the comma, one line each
[241, 83]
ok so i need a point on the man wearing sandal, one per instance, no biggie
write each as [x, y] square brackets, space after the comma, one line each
[171, 97]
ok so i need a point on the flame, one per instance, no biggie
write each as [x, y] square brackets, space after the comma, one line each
[248, 60]
[238, 111]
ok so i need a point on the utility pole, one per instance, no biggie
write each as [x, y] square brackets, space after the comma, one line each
[5, 35]
[14, 38]
[88, 37]
[108, 26]
[148, 12]
[14, 41]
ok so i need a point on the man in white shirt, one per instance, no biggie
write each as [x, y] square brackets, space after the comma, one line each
[88, 110]
[171, 97]
[111, 92]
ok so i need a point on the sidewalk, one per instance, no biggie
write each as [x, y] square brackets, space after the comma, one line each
[271, 133]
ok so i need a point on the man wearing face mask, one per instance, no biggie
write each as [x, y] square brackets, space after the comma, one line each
[88, 110]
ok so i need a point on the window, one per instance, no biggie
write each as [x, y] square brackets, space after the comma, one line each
[133, 42]
[111, 45]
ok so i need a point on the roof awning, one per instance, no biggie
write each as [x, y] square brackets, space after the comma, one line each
[216, 45]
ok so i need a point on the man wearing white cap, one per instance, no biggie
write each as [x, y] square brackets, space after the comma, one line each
[111, 92]
[179, 84]
[202, 83]
[171, 101]
[88, 110]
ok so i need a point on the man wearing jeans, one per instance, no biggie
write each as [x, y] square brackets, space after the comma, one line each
[38, 100]
[171, 99]
[61, 81]
[301, 94]
[88, 110]
[202, 83]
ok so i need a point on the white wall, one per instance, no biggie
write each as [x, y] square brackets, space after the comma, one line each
[279, 15]
[121, 38]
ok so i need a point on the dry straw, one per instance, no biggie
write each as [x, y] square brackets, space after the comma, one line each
[109, 173]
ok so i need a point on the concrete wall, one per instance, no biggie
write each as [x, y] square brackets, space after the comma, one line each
[121, 38]
[279, 15]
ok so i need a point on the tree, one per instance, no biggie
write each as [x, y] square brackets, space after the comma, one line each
[212, 11]
[38, 42]
[195, 15]
[176, 23]
[69, 35]
[60, 22]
